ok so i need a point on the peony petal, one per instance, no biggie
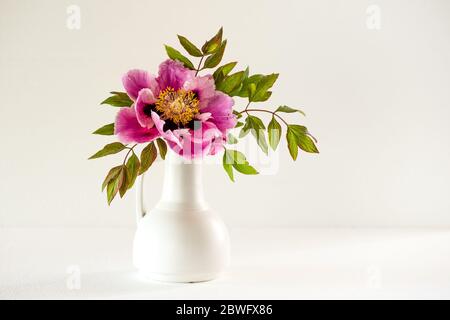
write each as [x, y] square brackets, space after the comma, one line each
[135, 80]
[143, 101]
[203, 87]
[196, 143]
[207, 131]
[168, 135]
[189, 150]
[128, 128]
[180, 133]
[173, 74]
[216, 146]
[221, 109]
[203, 116]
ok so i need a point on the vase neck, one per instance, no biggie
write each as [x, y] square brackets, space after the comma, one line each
[183, 184]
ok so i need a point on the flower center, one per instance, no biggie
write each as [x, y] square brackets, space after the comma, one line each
[180, 106]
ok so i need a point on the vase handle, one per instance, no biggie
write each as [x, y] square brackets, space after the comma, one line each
[140, 208]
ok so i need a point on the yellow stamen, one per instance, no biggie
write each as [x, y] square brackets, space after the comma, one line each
[180, 106]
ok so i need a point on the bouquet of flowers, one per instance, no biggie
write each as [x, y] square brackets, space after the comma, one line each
[192, 114]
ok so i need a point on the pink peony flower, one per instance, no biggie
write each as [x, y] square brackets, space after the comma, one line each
[185, 110]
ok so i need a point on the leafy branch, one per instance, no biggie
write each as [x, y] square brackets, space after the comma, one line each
[267, 111]
[122, 177]
[297, 136]
[212, 50]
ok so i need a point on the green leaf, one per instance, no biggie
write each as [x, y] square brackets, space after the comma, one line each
[133, 165]
[106, 130]
[264, 97]
[239, 162]
[292, 143]
[224, 70]
[257, 122]
[236, 157]
[111, 148]
[115, 184]
[227, 165]
[190, 47]
[298, 129]
[148, 156]
[237, 90]
[213, 44]
[266, 82]
[260, 139]
[118, 99]
[289, 110]
[239, 124]
[305, 143]
[251, 89]
[176, 55]
[256, 127]
[262, 87]
[245, 169]
[162, 146]
[231, 82]
[111, 175]
[232, 139]
[302, 137]
[301, 130]
[255, 78]
[221, 72]
[247, 82]
[237, 114]
[112, 189]
[213, 60]
[124, 175]
[274, 133]
[245, 129]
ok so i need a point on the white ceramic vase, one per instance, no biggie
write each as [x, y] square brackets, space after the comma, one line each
[181, 239]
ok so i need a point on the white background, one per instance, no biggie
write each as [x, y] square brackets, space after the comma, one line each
[377, 100]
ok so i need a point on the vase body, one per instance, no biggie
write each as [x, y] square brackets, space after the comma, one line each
[181, 239]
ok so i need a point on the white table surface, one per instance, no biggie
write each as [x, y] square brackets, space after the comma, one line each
[290, 263]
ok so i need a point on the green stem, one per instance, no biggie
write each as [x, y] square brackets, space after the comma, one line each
[246, 107]
[128, 153]
[199, 64]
